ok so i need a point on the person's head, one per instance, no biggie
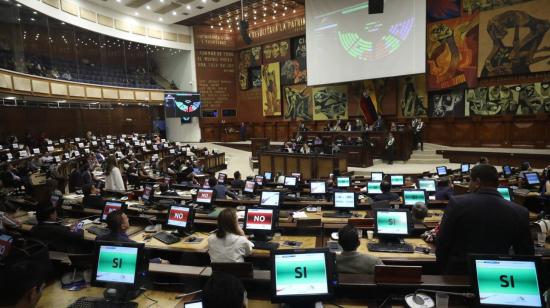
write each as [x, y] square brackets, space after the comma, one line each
[46, 213]
[227, 223]
[237, 175]
[163, 187]
[223, 290]
[525, 166]
[212, 182]
[443, 182]
[409, 181]
[483, 176]
[110, 163]
[385, 186]
[348, 238]
[21, 284]
[483, 160]
[117, 221]
[419, 211]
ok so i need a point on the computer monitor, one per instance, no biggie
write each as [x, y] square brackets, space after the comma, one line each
[373, 187]
[259, 179]
[506, 170]
[204, 196]
[268, 176]
[343, 181]
[507, 281]
[302, 276]
[111, 206]
[290, 181]
[505, 193]
[532, 178]
[249, 187]
[397, 180]
[260, 221]
[345, 200]
[120, 267]
[222, 177]
[413, 196]
[298, 175]
[427, 184]
[270, 198]
[5, 245]
[181, 217]
[148, 193]
[391, 223]
[441, 170]
[193, 304]
[377, 176]
[317, 187]
[464, 168]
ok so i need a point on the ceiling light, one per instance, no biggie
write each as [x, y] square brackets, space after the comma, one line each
[203, 1]
[32, 19]
[35, 12]
[10, 97]
[293, 11]
[148, 7]
[211, 27]
[118, 1]
[188, 7]
[174, 13]
[18, 5]
[160, 18]
[136, 13]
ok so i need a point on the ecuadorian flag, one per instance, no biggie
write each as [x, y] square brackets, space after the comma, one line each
[368, 102]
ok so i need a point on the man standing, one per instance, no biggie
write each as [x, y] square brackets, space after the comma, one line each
[418, 131]
[481, 222]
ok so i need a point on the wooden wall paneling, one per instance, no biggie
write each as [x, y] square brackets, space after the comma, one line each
[282, 131]
[491, 132]
[258, 130]
[265, 164]
[325, 166]
[306, 168]
[463, 132]
[279, 164]
[291, 165]
[524, 133]
[270, 131]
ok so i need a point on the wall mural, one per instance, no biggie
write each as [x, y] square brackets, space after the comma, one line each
[443, 9]
[298, 103]
[276, 52]
[446, 104]
[412, 97]
[515, 39]
[330, 103]
[292, 72]
[452, 52]
[472, 6]
[271, 89]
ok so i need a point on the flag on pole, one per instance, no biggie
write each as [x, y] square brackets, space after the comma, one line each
[369, 103]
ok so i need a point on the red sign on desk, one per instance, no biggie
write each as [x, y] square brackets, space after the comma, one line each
[259, 219]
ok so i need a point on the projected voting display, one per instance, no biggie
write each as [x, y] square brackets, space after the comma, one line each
[505, 193]
[397, 180]
[411, 197]
[178, 216]
[508, 283]
[110, 207]
[270, 198]
[427, 185]
[259, 219]
[374, 45]
[374, 188]
[301, 274]
[117, 264]
[344, 199]
[389, 222]
[204, 196]
[342, 181]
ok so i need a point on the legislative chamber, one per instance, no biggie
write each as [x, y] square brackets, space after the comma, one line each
[274, 153]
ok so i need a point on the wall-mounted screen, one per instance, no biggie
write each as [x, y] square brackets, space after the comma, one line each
[178, 105]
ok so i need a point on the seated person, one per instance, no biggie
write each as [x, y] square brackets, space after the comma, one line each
[409, 182]
[21, 285]
[237, 180]
[228, 244]
[444, 190]
[223, 290]
[220, 191]
[386, 194]
[92, 197]
[524, 168]
[54, 234]
[419, 211]
[118, 223]
[351, 261]
[165, 192]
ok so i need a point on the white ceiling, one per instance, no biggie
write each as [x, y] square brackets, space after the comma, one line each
[162, 11]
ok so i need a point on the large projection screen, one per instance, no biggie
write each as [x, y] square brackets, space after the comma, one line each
[345, 43]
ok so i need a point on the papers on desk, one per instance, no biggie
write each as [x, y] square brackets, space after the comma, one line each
[299, 215]
[431, 197]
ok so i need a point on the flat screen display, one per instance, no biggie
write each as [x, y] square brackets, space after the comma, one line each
[377, 176]
[290, 181]
[441, 170]
[205, 196]
[268, 176]
[249, 186]
[427, 185]
[147, 193]
[505, 193]
[222, 177]
[392, 222]
[259, 180]
[193, 305]
[117, 264]
[178, 216]
[110, 206]
[319, 187]
[508, 283]
[301, 274]
[397, 180]
[178, 105]
[344, 200]
[259, 219]
[411, 197]
[507, 170]
[296, 174]
[270, 198]
[465, 168]
[342, 181]
[374, 188]
[532, 178]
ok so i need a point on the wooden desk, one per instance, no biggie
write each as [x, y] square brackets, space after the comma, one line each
[311, 166]
[406, 257]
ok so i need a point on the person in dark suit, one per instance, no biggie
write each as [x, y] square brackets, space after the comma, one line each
[444, 190]
[92, 198]
[54, 234]
[481, 222]
[386, 194]
[237, 180]
[118, 223]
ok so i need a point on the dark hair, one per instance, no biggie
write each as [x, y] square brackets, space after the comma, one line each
[236, 175]
[525, 166]
[114, 220]
[44, 212]
[87, 189]
[212, 182]
[483, 160]
[419, 211]
[110, 163]
[227, 223]
[385, 186]
[487, 175]
[348, 239]
[18, 279]
[223, 290]
[443, 182]
[163, 187]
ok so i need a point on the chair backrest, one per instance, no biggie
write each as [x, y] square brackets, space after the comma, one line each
[237, 269]
[381, 205]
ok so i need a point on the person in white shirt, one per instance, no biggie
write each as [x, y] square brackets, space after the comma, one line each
[228, 244]
[113, 178]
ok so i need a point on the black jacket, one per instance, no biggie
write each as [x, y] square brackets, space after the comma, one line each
[60, 238]
[93, 202]
[484, 223]
[388, 196]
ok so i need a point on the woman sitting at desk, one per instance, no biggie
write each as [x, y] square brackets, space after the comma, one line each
[229, 243]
